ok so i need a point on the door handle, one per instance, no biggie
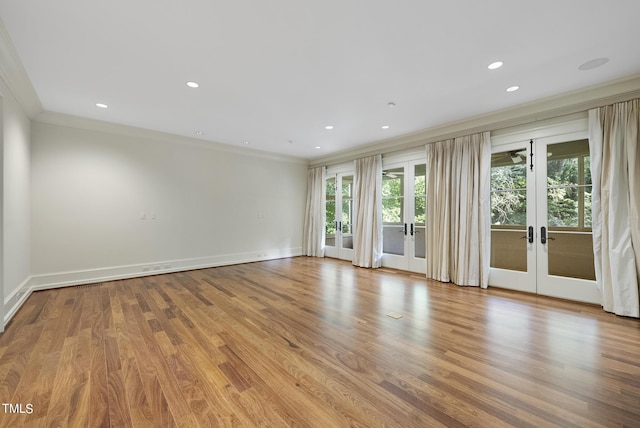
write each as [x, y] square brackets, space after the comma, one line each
[340, 228]
[405, 229]
[543, 236]
[411, 229]
[529, 235]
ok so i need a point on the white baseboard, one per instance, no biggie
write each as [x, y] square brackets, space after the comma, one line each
[14, 301]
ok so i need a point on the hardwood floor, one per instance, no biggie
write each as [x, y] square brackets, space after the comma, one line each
[307, 342]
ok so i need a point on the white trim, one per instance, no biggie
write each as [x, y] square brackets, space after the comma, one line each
[345, 167]
[555, 128]
[409, 155]
[529, 113]
[20, 295]
[89, 276]
[76, 122]
[12, 72]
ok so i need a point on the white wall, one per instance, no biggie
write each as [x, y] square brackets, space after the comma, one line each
[89, 190]
[15, 197]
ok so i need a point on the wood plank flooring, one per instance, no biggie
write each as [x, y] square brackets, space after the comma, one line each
[307, 342]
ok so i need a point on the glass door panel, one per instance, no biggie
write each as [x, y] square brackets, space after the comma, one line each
[509, 210]
[570, 242]
[419, 217]
[347, 212]
[393, 221]
[330, 214]
[403, 216]
[566, 267]
[339, 212]
[513, 256]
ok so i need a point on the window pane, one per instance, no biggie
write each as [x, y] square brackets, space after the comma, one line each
[330, 226]
[508, 170]
[420, 204]
[346, 216]
[562, 172]
[419, 181]
[331, 188]
[587, 170]
[347, 186]
[393, 182]
[562, 207]
[392, 210]
[587, 207]
[509, 207]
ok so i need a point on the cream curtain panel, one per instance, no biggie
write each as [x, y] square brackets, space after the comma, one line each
[615, 173]
[367, 245]
[458, 220]
[314, 218]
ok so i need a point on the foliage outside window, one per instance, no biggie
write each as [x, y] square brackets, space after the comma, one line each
[347, 204]
[330, 207]
[569, 193]
[420, 194]
[393, 196]
[568, 187]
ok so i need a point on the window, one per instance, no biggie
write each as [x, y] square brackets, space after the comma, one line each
[393, 196]
[569, 186]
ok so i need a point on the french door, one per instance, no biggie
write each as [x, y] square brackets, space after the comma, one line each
[339, 212]
[403, 216]
[541, 239]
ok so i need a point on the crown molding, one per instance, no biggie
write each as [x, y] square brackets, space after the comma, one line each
[15, 77]
[529, 113]
[77, 122]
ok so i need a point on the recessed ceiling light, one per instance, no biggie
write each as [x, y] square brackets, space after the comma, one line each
[198, 132]
[495, 65]
[192, 84]
[102, 105]
[589, 65]
[290, 141]
[317, 147]
[513, 88]
[391, 104]
[328, 127]
[385, 126]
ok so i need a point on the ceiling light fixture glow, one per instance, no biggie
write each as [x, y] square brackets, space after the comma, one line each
[245, 143]
[101, 105]
[513, 88]
[495, 65]
[198, 132]
[192, 84]
[317, 147]
[328, 127]
[385, 126]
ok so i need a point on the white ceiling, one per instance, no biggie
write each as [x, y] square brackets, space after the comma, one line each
[280, 70]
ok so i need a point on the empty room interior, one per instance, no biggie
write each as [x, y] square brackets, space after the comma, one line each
[337, 213]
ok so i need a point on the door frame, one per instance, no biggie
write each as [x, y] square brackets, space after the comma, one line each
[338, 251]
[548, 132]
[408, 261]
